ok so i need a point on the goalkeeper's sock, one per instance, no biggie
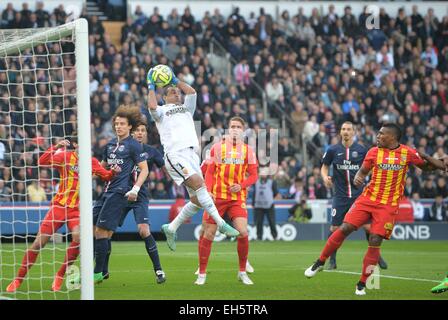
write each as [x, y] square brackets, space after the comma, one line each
[370, 261]
[70, 257]
[28, 260]
[205, 247]
[151, 248]
[243, 252]
[101, 248]
[189, 210]
[106, 262]
[207, 203]
[333, 244]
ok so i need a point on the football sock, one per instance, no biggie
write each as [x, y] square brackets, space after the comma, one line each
[333, 243]
[101, 249]
[151, 248]
[189, 210]
[28, 260]
[333, 255]
[199, 245]
[369, 263]
[70, 257]
[205, 247]
[243, 251]
[106, 262]
[207, 203]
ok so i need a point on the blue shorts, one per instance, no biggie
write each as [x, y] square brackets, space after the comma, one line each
[108, 210]
[141, 212]
[338, 210]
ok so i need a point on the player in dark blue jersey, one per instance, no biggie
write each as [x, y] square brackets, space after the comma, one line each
[140, 207]
[346, 159]
[126, 152]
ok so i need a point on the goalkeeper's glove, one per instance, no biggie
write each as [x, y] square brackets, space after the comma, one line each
[149, 81]
[134, 192]
[174, 79]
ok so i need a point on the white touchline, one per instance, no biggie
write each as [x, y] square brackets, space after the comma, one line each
[385, 276]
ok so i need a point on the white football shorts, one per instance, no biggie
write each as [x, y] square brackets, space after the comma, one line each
[182, 164]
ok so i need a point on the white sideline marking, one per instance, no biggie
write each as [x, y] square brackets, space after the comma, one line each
[385, 276]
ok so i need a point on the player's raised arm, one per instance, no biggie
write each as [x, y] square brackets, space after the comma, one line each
[152, 99]
[49, 157]
[185, 87]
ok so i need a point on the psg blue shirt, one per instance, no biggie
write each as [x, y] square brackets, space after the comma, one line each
[127, 154]
[345, 163]
[152, 156]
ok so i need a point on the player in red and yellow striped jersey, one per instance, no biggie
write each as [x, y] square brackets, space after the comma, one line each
[64, 208]
[231, 169]
[389, 163]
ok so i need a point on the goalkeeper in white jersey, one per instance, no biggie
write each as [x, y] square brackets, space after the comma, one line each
[175, 124]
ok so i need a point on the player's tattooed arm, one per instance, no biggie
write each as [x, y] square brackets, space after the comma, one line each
[360, 176]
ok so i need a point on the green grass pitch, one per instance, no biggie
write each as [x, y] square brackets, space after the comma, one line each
[414, 268]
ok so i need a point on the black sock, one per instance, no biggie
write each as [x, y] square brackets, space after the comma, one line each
[101, 247]
[151, 248]
[367, 236]
[106, 262]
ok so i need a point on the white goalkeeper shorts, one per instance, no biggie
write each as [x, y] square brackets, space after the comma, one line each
[181, 165]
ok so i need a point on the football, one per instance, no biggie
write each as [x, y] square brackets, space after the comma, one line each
[162, 75]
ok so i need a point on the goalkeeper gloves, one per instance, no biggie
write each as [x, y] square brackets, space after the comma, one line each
[149, 81]
[174, 80]
[134, 192]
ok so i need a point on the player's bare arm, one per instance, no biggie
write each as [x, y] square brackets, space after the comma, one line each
[132, 195]
[445, 162]
[431, 163]
[360, 176]
[328, 182]
[62, 144]
[152, 99]
[185, 88]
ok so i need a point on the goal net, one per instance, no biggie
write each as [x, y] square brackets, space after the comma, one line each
[44, 99]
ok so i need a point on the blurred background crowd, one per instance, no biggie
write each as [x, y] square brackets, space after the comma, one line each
[316, 71]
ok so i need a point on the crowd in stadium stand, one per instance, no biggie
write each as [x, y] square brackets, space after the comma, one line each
[320, 70]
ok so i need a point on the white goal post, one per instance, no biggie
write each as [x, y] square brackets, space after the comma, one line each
[13, 43]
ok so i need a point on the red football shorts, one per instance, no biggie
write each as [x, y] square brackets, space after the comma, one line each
[57, 216]
[382, 216]
[233, 208]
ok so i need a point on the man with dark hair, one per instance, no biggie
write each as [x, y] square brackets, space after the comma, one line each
[127, 153]
[389, 162]
[175, 124]
[345, 158]
[140, 206]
